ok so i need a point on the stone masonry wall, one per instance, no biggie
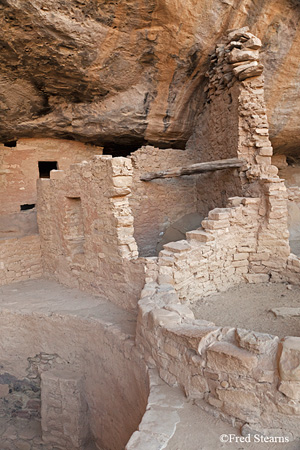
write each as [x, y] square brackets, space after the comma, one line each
[158, 204]
[64, 410]
[86, 229]
[249, 378]
[19, 241]
[21, 396]
[89, 350]
[233, 122]
[19, 167]
[250, 240]
[247, 241]
[20, 259]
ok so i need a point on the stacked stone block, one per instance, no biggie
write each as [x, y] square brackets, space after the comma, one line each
[64, 410]
[20, 259]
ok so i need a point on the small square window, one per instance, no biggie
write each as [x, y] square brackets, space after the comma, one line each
[45, 168]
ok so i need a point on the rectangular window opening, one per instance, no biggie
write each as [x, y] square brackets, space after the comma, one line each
[45, 168]
[27, 206]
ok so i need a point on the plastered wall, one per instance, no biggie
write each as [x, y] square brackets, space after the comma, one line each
[291, 175]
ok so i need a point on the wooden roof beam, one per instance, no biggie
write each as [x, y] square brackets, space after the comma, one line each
[194, 169]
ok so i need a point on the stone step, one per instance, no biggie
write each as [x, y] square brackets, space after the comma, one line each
[199, 235]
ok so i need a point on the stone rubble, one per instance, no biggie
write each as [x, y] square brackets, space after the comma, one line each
[235, 59]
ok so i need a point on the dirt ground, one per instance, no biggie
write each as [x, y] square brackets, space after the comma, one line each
[248, 306]
[198, 430]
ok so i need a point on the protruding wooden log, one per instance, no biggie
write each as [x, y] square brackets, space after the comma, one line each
[195, 168]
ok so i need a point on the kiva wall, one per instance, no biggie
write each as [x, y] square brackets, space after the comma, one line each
[91, 374]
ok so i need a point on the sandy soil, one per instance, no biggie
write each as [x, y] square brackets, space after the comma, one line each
[247, 306]
[198, 430]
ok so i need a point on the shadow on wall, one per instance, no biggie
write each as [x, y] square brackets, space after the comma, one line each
[19, 224]
[177, 230]
[289, 170]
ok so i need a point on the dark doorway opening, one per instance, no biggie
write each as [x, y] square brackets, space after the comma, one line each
[120, 150]
[45, 168]
[27, 206]
[10, 144]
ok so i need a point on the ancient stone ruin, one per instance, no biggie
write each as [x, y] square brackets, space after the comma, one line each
[104, 259]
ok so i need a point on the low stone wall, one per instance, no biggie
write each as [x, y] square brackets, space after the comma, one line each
[247, 241]
[161, 417]
[250, 379]
[20, 259]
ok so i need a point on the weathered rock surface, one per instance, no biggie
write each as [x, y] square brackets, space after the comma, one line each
[128, 72]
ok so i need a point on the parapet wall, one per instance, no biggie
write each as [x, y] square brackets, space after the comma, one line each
[86, 229]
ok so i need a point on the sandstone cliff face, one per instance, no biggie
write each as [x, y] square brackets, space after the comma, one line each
[132, 71]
